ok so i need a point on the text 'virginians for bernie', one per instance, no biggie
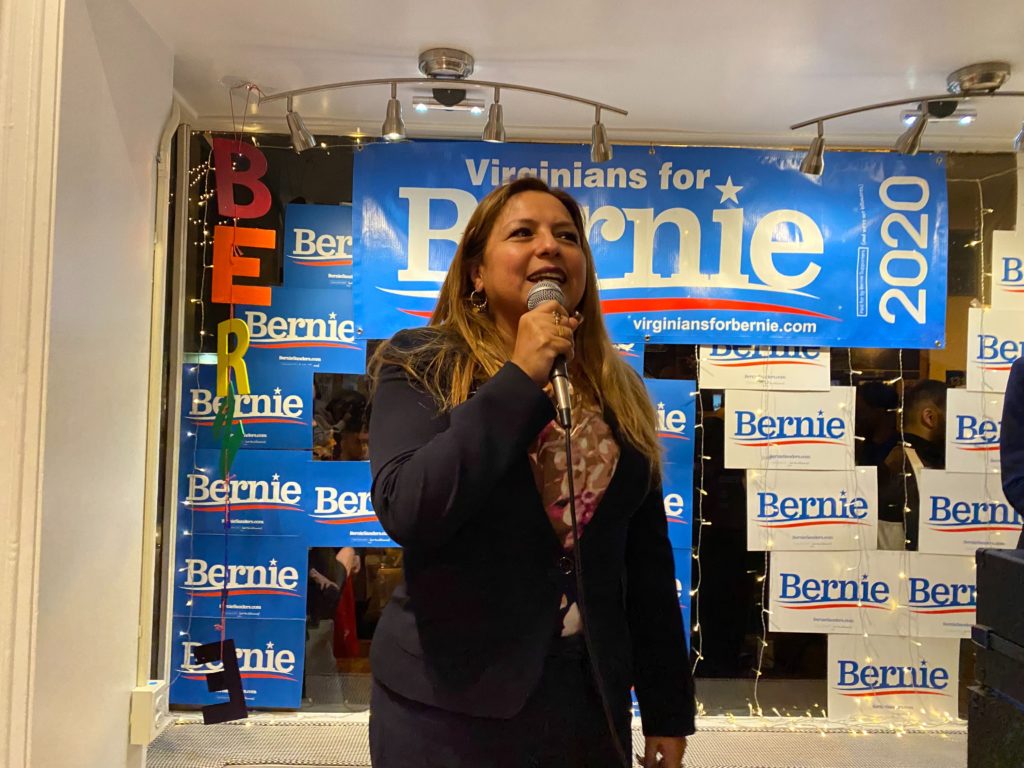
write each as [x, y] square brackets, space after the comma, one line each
[491, 172]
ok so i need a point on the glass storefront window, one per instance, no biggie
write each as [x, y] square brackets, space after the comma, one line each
[349, 585]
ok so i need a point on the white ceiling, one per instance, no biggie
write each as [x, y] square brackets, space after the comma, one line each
[694, 72]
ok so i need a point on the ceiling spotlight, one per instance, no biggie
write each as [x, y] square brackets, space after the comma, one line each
[494, 131]
[393, 128]
[1018, 140]
[600, 149]
[967, 84]
[814, 161]
[910, 141]
[447, 76]
[302, 139]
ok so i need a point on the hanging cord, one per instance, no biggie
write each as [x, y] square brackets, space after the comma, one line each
[697, 635]
[225, 466]
[578, 567]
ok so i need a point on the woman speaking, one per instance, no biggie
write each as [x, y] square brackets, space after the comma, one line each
[516, 634]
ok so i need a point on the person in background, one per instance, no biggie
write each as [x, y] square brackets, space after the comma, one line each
[351, 428]
[876, 422]
[328, 570]
[325, 446]
[323, 426]
[487, 655]
[1011, 441]
[924, 431]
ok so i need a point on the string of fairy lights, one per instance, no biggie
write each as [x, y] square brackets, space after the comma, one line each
[984, 275]
[764, 613]
[697, 637]
[200, 194]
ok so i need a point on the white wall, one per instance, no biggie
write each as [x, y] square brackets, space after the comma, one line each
[115, 96]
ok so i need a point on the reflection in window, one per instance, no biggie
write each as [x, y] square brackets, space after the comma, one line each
[347, 591]
[341, 417]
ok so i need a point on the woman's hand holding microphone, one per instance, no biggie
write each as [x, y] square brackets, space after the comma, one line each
[544, 333]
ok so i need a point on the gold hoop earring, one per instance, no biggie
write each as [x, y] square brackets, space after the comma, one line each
[478, 301]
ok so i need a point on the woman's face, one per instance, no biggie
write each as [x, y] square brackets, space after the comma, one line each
[533, 239]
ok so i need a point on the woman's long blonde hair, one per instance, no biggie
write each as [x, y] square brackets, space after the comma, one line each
[467, 348]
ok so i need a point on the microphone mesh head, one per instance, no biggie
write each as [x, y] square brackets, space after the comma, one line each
[545, 290]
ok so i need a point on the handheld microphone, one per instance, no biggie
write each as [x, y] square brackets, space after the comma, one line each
[549, 290]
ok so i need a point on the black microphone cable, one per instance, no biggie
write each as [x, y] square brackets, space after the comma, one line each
[578, 567]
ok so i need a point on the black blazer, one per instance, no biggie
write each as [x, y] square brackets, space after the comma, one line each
[469, 628]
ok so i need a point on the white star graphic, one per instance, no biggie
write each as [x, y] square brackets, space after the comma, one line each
[270, 645]
[277, 390]
[274, 561]
[728, 190]
[333, 315]
[276, 477]
[661, 406]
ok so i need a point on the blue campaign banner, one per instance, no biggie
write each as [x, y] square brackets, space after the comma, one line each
[318, 246]
[692, 245]
[633, 353]
[307, 328]
[677, 488]
[269, 492]
[265, 576]
[277, 414]
[341, 512]
[270, 657]
[675, 408]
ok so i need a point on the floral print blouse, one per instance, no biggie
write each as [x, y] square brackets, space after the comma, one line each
[595, 455]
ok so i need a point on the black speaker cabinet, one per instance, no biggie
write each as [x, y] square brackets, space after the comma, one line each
[995, 722]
